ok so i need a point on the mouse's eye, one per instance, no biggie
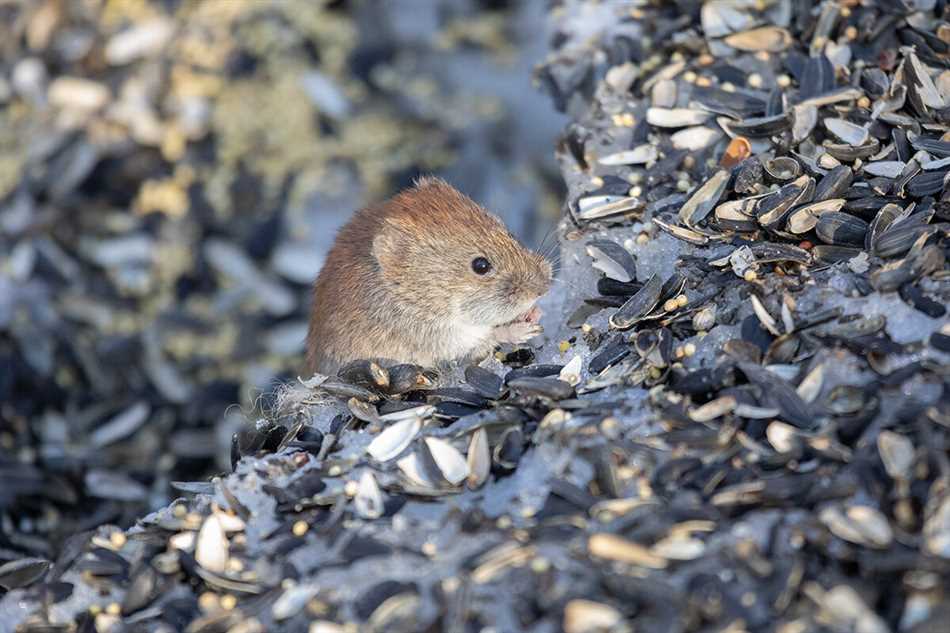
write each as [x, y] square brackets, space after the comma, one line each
[481, 266]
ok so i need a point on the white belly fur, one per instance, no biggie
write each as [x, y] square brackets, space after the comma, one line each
[464, 339]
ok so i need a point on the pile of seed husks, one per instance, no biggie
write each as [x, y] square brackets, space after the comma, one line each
[738, 419]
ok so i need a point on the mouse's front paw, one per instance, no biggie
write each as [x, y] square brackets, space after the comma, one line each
[516, 332]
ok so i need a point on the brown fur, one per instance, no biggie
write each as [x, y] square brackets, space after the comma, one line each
[398, 285]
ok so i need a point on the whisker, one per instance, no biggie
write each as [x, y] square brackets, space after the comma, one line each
[570, 285]
[547, 234]
[552, 249]
[545, 250]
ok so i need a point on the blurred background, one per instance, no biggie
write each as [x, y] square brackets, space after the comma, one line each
[171, 175]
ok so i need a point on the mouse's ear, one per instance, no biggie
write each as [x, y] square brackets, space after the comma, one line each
[428, 180]
[387, 245]
[496, 218]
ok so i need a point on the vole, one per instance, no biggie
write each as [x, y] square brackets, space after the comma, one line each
[426, 277]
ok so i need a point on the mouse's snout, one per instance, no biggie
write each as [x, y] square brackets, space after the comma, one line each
[537, 280]
[527, 284]
[543, 277]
